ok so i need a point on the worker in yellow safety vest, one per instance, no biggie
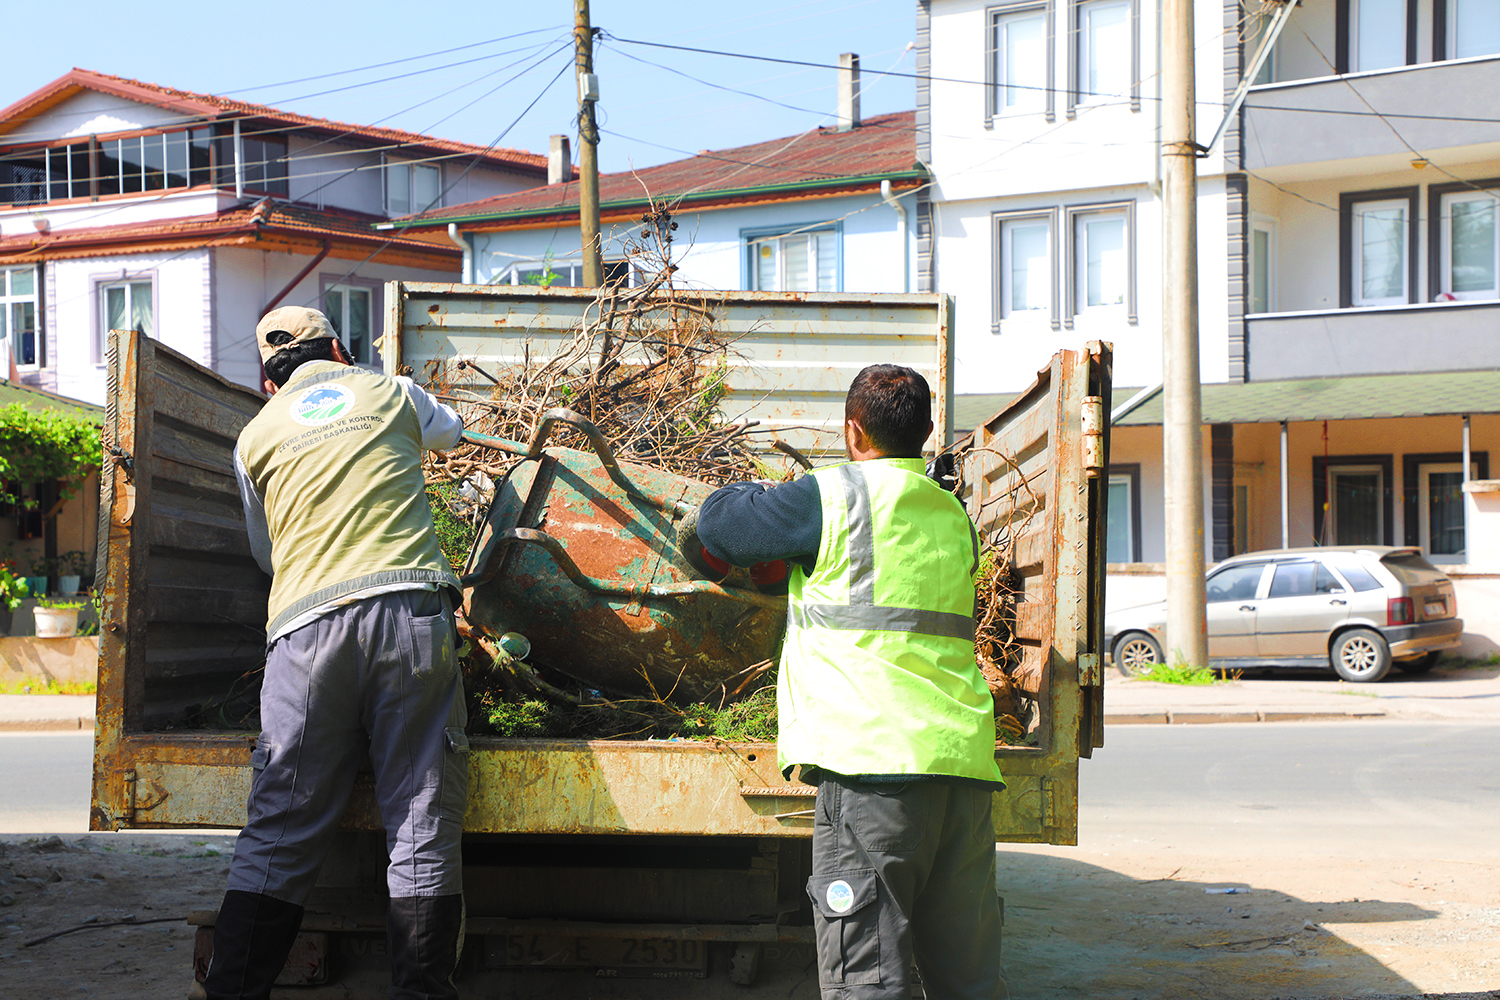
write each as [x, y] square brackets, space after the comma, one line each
[879, 700]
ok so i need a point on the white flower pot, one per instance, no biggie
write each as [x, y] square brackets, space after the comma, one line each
[55, 623]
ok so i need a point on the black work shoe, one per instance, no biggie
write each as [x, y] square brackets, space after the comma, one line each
[253, 935]
[426, 935]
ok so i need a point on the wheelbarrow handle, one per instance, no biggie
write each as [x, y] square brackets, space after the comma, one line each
[562, 415]
[618, 588]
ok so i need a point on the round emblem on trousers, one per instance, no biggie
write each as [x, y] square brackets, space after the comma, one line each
[840, 896]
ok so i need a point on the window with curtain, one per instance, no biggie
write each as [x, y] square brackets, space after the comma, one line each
[1025, 267]
[1470, 244]
[18, 301]
[1104, 57]
[1020, 71]
[127, 305]
[1377, 30]
[348, 308]
[1380, 254]
[1473, 28]
[797, 262]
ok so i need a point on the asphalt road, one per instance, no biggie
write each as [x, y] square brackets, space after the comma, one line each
[45, 781]
[1373, 789]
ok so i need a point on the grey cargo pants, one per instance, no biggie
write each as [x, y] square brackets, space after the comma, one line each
[378, 677]
[902, 870]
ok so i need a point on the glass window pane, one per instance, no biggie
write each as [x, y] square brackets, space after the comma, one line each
[1326, 584]
[114, 307]
[1106, 61]
[1117, 533]
[22, 281]
[200, 156]
[427, 187]
[1359, 578]
[1022, 51]
[1380, 34]
[1472, 251]
[1260, 271]
[1236, 583]
[177, 159]
[1104, 261]
[154, 161]
[794, 264]
[23, 332]
[397, 189]
[1445, 513]
[1356, 508]
[358, 339]
[1292, 580]
[828, 263]
[765, 266]
[333, 308]
[1382, 254]
[132, 165]
[109, 168]
[1027, 273]
[140, 308]
[1475, 28]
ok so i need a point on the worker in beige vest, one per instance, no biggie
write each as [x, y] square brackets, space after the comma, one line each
[360, 660]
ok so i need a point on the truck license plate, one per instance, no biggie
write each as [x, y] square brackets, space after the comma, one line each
[1437, 607]
[630, 956]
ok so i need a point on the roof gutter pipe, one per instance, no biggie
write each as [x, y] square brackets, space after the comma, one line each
[1133, 402]
[895, 203]
[464, 245]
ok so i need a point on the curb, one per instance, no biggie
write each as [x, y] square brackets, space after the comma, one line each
[46, 725]
[1164, 718]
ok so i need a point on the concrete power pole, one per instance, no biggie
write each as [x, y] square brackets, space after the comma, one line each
[1182, 422]
[588, 146]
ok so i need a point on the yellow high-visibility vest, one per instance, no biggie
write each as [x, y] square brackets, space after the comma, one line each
[878, 673]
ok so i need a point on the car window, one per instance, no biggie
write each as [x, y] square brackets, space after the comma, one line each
[1293, 579]
[1359, 578]
[1411, 569]
[1234, 583]
[1327, 583]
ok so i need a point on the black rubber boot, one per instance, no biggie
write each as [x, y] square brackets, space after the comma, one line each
[425, 934]
[252, 937]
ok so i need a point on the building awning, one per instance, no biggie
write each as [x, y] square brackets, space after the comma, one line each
[1348, 397]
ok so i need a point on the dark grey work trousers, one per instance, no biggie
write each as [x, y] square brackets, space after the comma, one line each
[378, 677]
[901, 871]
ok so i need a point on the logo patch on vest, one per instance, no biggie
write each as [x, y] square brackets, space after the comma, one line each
[321, 403]
[840, 896]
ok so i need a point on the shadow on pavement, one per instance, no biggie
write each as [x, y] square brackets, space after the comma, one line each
[1074, 929]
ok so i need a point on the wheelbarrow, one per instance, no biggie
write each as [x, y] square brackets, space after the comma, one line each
[596, 563]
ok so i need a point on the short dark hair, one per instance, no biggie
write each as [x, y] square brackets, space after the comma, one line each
[894, 406]
[279, 366]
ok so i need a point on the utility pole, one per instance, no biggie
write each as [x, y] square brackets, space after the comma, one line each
[588, 146]
[1182, 421]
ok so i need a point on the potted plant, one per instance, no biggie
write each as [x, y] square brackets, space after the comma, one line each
[56, 619]
[12, 592]
[71, 567]
[36, 580]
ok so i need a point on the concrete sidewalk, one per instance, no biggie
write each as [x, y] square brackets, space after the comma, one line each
[1455, 693]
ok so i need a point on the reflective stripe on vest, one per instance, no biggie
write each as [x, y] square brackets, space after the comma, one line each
[862, 613]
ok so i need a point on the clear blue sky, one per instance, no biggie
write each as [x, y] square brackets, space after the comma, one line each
[258, 53]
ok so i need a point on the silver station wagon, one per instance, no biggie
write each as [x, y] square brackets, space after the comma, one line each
[1358, 608]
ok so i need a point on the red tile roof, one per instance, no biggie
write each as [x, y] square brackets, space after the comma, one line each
[820, 161]
[211, 106]
[265, 222]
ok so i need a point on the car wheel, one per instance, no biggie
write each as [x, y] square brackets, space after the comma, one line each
[1420, 665]
[1137, 654]
[1361, 655]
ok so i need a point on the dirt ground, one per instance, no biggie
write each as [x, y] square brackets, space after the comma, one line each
[1109, 926]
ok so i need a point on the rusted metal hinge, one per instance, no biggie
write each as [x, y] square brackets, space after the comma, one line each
[123, 459]
[1093, 436]
[127, 796]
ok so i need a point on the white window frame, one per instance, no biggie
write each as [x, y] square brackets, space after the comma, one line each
[1005, 224]
[1256, 269]
[1424, 509]
[369, 356]
[1333, 472]
[754, 241]
[1354, 39]
[1356, 251]
[1082, 96]
[1078, 264]
[569, 273]
[1445, 240]
[399, 174]
[129, 282]
[9, 298]
[1033, 98]
[1451, 35]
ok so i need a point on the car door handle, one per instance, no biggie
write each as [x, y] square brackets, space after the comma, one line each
[1247, 607]
[1337, 601]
